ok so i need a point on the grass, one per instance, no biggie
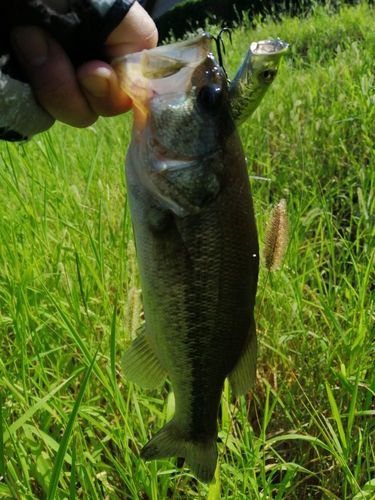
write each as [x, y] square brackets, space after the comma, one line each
[70, 304]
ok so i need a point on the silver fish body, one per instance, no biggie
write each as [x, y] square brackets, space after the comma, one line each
[196, 240]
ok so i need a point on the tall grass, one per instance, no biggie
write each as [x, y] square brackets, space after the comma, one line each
[70, 303]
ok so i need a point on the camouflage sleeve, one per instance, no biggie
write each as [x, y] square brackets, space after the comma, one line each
[81, 30]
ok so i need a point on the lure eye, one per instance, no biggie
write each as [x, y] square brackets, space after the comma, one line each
[210, 97]
[268, 75]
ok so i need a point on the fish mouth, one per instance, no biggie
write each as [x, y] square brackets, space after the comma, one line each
[158, 71]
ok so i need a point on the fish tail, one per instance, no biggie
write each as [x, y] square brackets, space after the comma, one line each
[200, 456]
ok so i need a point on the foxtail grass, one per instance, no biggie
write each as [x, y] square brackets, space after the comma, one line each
[276, 237]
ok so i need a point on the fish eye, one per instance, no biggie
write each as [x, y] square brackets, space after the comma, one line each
[210, 97]
[268, 75]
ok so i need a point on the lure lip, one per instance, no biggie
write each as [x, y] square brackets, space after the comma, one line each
[271, 47]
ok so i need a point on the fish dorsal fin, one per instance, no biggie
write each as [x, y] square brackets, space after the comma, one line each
[141, 365]
[243, 374]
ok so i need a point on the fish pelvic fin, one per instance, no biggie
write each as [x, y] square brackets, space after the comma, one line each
[200, 456]
[141, 365]
[243, 375]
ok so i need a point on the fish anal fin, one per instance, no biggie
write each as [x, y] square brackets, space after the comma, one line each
[141, 365]
[243, 375]
[201, 457]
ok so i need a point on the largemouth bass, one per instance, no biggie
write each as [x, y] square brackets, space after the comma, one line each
[196, 240]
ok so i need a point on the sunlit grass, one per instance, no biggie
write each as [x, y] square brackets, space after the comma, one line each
[69, 297]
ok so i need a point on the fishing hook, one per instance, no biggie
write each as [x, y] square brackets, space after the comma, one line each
[220, 47]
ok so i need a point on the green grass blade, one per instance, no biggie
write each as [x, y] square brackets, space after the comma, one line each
[336, 416]
[59, 460]
[72, 485]
[2, 454]
[113, 341]
[353, 404]
[81, 344]
[215, 487]
[328, 494]
[37, 406]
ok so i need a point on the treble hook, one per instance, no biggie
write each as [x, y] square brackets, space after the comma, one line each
[220, 45]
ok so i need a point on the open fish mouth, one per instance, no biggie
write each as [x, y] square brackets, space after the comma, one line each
[162, 71]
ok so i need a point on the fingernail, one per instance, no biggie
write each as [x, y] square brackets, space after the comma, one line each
[97, 86]
[31, 44]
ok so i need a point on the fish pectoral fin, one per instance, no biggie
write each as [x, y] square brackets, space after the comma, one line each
[200, 457]
[242, 376]
[141, 365]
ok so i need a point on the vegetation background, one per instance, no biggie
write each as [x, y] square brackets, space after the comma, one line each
[193, 15]
[72, 426]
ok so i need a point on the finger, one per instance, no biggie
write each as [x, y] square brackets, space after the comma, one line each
[101, 87]
[136, 32]
[52, 76]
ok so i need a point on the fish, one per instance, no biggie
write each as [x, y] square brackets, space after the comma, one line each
[196, 242]
[255, 76]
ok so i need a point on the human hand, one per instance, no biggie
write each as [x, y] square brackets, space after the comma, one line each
[73, 97]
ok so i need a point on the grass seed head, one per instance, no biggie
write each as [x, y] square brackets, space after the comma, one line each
[134, 308]
[276, 237]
